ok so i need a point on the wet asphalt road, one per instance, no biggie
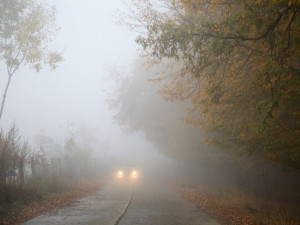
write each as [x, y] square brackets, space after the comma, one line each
[145, 202]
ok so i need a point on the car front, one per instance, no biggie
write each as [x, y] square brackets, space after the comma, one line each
[127, 173]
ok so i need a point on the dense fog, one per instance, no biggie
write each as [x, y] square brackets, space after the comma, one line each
[179, 92]
[90, 42]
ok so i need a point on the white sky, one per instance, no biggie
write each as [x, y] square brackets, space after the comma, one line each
[92, 43]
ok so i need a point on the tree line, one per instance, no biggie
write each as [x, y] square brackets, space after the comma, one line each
[237, 66]
[139, 109]
[30, 172]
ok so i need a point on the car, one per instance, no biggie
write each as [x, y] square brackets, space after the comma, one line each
[128, 172]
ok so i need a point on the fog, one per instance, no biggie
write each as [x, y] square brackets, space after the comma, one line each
[144, 90]
[101, 69]
[90, 42]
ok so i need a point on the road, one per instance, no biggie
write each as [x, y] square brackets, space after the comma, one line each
[144, 202]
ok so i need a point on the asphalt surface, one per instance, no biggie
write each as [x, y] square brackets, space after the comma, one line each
[145, 202]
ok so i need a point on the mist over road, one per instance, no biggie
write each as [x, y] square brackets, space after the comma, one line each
[147, 201]
[154, 203]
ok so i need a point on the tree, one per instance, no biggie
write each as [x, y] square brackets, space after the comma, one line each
[239, 69]
[13, 153]
[26, 29]
[138, 108]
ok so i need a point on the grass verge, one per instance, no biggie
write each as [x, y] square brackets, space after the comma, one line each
[237, 208]
[20, 211]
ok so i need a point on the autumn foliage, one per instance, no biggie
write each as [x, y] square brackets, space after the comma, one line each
[237, 64]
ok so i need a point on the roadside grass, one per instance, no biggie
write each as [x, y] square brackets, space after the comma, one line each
[261, 211]
[13, 196]
[20, 204]
[238, 208]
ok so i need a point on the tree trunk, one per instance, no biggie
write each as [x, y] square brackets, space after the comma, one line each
[3, 166]
[21, 170]
[33, 170]
[4, 95]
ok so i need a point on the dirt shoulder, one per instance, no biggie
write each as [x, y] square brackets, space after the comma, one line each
[240, 209]
[51, 201]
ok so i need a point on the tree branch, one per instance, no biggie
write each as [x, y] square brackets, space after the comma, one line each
[269, 30]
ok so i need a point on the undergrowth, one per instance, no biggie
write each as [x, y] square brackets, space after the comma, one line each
[238, 208]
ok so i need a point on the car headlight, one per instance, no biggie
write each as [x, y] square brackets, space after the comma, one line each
[134, 174]
[120, 173]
